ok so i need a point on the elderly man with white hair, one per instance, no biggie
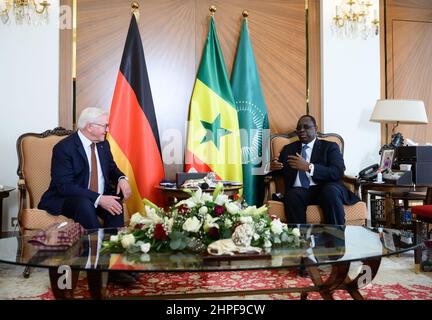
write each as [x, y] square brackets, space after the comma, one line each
[82, 175]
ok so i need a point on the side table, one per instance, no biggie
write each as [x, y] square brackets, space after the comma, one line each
[4, 193]
[392, 192]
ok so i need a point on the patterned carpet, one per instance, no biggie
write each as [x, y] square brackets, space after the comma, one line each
[396, 280]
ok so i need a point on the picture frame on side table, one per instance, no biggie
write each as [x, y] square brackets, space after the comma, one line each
[387, 159]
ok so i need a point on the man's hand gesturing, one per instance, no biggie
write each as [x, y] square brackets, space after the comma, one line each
[298, 163]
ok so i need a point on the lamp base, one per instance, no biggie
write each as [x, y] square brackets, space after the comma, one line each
[397, 140]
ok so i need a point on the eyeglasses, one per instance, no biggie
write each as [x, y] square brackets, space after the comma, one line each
[105, 126]
[305, 127]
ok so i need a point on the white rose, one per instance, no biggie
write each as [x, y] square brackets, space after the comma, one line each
[267, 243]
[127, 240]
[145, 247]
[136, 218]
[296, 232]
[246, 219]
[221, 199]
[207, 197]
[276, 226]
[192, 225]
[114, 238]
[232, 208]
[249, 211]
[203, 210]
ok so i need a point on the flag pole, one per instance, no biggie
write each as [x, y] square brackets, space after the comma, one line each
[245, 14]
[135, 9]
[212, 10]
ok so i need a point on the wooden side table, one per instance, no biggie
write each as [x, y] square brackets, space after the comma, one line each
[390, 193]
[4, 193]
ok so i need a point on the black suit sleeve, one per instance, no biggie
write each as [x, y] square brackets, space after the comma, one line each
[334, 169]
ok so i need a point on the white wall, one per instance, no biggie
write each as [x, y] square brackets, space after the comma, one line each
[29, 69]
[350, 88]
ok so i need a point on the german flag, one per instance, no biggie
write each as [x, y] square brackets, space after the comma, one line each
[133, 132]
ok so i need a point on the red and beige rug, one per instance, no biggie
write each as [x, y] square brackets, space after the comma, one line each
[396, 280]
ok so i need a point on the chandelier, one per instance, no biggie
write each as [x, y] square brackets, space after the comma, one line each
[24, 11]
[354, 19]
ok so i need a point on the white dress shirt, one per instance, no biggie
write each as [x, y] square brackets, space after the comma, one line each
[297, 182]
[101, 180]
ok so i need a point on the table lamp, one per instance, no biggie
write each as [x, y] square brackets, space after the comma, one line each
[399, 111]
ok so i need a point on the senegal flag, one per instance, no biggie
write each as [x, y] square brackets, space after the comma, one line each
[253, 118]
[213, 142]
[133, 131]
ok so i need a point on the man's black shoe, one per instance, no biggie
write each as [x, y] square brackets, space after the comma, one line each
[121, 278]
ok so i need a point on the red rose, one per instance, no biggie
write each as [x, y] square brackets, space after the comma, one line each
[159, 232]
[236, 196]
[138, 226]
[219, 210]
[213, 233]
[183, 209]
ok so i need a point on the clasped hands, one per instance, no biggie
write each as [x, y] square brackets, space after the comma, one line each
[112, 203]
[296, 162]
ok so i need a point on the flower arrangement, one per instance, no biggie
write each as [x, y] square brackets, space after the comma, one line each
[200, 220]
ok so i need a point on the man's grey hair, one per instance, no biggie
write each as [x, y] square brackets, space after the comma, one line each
[90, 115]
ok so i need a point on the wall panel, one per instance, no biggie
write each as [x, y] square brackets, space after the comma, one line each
[174, 33]
[409, 68]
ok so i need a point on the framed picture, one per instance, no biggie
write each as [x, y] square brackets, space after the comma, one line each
[387, 159]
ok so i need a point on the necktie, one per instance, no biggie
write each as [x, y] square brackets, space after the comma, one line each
[94, 171]
[304, 180]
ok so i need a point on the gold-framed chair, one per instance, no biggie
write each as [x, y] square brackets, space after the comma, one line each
[354, 215]
[34, 171]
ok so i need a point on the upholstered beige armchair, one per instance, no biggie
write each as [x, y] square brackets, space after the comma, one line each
[354, 215]
[34, 172]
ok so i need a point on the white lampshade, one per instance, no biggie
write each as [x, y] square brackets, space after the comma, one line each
[403, 111]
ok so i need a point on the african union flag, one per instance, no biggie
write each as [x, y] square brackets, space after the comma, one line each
[253, 118]
[213, 142]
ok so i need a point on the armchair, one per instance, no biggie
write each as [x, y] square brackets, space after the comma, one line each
[354, 215]
[34, 172]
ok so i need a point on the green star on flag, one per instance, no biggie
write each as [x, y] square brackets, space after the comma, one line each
[214, 131]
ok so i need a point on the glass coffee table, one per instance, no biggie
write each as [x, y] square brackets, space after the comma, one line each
[339, 247]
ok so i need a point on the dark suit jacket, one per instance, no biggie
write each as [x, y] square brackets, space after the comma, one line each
[70, 173]
[328, 166]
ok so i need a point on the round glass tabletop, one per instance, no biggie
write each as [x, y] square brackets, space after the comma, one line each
[325, 244]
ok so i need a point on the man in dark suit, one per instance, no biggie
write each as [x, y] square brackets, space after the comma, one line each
[85, 181]
[313, 171]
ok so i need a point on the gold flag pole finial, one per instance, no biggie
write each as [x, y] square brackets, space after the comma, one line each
[135, 9]
[245, 13]
[212, 10]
